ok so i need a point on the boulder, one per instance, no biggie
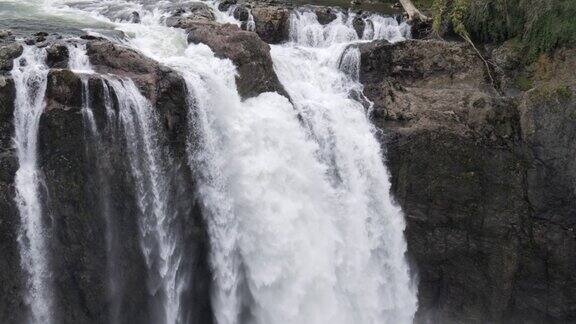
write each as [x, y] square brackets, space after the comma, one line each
[193, 11]
[12, 282]
[242, 13]
[272, 23]
[325, 14]
[248, 52]
[8, 52]
[359, 25]
[57, 56]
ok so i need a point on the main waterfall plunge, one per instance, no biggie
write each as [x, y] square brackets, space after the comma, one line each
[294, 192]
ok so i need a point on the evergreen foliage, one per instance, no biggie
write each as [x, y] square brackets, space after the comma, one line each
[539, 25]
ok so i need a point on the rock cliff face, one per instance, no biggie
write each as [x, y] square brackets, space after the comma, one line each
[487, 183]
[68, 161]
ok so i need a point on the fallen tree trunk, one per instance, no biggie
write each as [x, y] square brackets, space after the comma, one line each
[412, 11]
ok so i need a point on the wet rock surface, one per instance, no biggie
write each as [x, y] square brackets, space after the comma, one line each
[272, 23]
[8, 52]
[486, 183]
[248, 52]
[187, 14]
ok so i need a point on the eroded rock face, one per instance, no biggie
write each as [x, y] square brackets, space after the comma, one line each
[248, 52]
[72, 187]
[486, 182]
[11, 277]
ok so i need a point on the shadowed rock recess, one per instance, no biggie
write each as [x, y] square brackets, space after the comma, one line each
[486, 181]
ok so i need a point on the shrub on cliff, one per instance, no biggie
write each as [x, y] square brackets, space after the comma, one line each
[539, 25]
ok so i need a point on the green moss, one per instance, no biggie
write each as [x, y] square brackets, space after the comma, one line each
[540, 25]
[564, 93]
[523, 83]
[551, 93]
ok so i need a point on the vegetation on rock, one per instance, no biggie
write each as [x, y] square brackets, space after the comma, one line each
[540, 26]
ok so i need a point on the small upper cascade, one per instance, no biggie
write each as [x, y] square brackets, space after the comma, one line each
[306, 30]
[78, 60]
[30, 75]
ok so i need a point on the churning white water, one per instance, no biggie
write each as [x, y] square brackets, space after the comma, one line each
[320, 72]
[30, 75]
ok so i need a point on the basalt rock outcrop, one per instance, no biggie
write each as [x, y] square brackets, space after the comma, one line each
[487, 183]
[272, 23]
[248, 52]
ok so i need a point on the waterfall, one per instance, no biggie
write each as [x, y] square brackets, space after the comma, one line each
[268, 201]
[321, 77]
[79, 63]
[149, 167]
[296, 195]
[30, 75]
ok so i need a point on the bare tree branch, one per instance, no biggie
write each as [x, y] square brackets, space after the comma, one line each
[412, 11]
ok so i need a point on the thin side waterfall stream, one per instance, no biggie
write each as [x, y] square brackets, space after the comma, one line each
[30, 76]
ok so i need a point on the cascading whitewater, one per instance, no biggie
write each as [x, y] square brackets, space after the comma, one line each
[302, 226]
[30, 75]
[320, 74]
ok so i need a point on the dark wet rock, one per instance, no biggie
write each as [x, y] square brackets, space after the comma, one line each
[62, 90]
[185, 16]
[9, 52]
[241, 13]
[248, 52]
[71, 189]
[5, 33]
[421, 29]
[359, 25]
[272, 23]
[57, 56]
[194, 11]
[12, 285]
[487, 184]
[91, 37]
[325, 14]
[226, 4]
[136, 18]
